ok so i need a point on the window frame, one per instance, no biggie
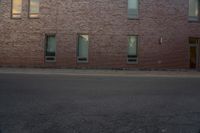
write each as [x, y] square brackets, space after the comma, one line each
[29, 11]
[137, 51]
[77, 48]
[12, 14]
[138, 8]
[45, 50]
[198, 17]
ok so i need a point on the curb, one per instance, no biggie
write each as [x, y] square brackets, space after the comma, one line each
[98, 72]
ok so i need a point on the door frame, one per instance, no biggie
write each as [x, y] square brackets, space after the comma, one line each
[197, 54]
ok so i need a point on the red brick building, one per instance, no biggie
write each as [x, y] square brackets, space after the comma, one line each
[100, 33]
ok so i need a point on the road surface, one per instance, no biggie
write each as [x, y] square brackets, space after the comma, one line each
[41, 103]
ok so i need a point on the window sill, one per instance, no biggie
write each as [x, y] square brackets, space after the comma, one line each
[82, 62]
[133, 18]
[33, 17]
[132, 63]
[50, 61]
[193, 21]
[16, 18]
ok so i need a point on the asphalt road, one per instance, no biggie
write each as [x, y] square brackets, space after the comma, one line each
[98, 104]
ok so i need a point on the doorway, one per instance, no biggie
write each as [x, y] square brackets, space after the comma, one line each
[193, 57]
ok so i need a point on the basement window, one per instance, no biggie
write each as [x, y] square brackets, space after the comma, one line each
[50, 54]
[82, 50]
[34, 8]
[132, 49]
[193, 10]
[133, 9]
[16, 8]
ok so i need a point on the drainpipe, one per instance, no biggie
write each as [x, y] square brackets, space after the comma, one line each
[198, 51]
[57, 15]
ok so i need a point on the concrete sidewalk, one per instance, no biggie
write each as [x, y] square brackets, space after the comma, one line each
[102, 72]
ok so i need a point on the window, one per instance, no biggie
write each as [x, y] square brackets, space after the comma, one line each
[16, 8]
[50, 48]
[34, 7]
[193, 10]
[82, 54]
[132, 9]
[193, 40]
[132, 49]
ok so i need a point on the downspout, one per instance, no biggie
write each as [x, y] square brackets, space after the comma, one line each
[57, 16]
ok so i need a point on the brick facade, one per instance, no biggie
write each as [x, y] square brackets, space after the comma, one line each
[22, 41]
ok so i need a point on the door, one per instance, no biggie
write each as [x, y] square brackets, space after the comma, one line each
[193, 57]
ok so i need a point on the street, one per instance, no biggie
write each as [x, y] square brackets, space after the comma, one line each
[98, 104]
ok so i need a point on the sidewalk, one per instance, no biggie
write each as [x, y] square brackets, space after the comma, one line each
[98, 72]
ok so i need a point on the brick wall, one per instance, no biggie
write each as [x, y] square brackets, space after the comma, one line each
[22, 40]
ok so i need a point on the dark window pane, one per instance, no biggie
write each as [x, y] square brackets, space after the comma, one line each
[193, 40]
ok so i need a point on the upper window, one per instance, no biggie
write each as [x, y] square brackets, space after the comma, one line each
[132, 9]
[34, 8]
[82, 54]
[193, 10]
[16, 8]
[132, 49]
[193, 40]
